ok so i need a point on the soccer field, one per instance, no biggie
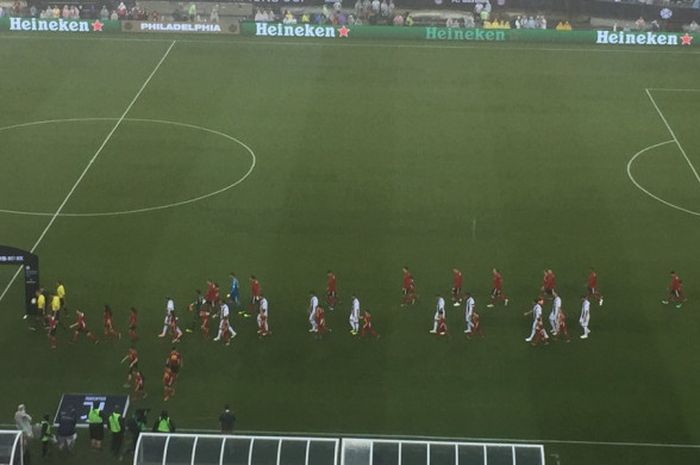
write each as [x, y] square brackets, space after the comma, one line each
[142, 168]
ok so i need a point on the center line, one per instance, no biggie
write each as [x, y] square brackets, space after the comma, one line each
[673, 134]
[87, 168]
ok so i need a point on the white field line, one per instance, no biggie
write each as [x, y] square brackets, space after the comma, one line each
[673, 135]
[368, 44]
[87, 168]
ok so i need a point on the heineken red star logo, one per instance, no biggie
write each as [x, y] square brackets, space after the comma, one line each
[97, 26]
[343, 31]
[686, 39]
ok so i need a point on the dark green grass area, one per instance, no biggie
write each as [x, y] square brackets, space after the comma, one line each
[368, 158]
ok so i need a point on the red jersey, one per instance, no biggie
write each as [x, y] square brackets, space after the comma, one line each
[174, 359]
[475, 320]
[331, 283]
[210, 296]
[320, 315]
[497, 281]
[52, 323]
[407, 280]
[457, 279]
[367, 319]
[549, 280]
[81, 325]
[204, 315]
[255, 288]
[561, 321]
[138, 381]
[168, 378]
[133, 356]
[676, 283]
[592, 280]
[132, 320]
[107, 318]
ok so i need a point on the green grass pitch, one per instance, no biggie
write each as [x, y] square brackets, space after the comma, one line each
[368, 157]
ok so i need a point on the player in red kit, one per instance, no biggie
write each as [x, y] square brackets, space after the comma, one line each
[51, 330]
[367, 325]
[109, 331]
[175, 327]
[476, 325]
[592, 284]
[212, 294]
[80, 326]
[168, 384]
[331, 291]
[254, 294]
[497, 289]
[456, 287]
[174, 361]
[561, 324]
[540, 334]
[132, 356]
[321, 326]
[675, 289]
[133, 324]
[408, 288]
[139, 385]
[204, 319]
[441, 324]
[549, 282]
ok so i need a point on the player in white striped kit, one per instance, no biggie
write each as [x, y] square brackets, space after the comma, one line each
[169, 309]
[225, 323]
[585, 317]
[439, 307]
[313, 306]
[554, 313]
[263, 325]
[354, 316]
[536, 316]
[469, 312]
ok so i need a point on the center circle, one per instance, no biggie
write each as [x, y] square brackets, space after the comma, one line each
[253, 161]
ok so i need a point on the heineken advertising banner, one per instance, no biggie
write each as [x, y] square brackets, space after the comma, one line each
[79, 26]
[444, 34]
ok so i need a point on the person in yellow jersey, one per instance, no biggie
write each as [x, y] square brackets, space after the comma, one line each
[96, 425]
[61, 293]
[40, 301]
[55, 305]
[164, 424]
[116, 426]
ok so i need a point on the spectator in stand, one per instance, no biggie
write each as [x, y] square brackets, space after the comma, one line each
[66, 434]
[305, 18]
[484, 15]
[392, 8]
[121, 10]
[358, 8]
[376, 7]
[114, 16]
[408, 21]
[2, 12]
[640, 24]
[56, 12]
[259, 15]
[270, 15]
[692, 27]
[398, 20]
[104, 13]
[32, 11]
[384, 9]
[227, 420]
[478, 7]
[468, 21]
[65, 13]
[289, 18]
[214, 15]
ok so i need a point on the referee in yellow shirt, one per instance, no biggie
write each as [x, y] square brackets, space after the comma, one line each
[56, 308]
[61, 293]
[40, 303]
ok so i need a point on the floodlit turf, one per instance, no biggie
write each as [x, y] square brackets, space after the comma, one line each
[368, 158]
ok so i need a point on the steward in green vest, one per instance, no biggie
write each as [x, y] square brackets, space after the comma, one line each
[96, 425]
[116, 427]
[164, 424]
[47, 436]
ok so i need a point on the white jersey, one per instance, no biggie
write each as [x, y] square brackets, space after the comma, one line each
[263, 307]
[355, 312]
[440, 307]
[313, 305]
[556, 306]
[469, 308]
[585, 312]
[224, 311]
[170, 306]
[537, 312]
